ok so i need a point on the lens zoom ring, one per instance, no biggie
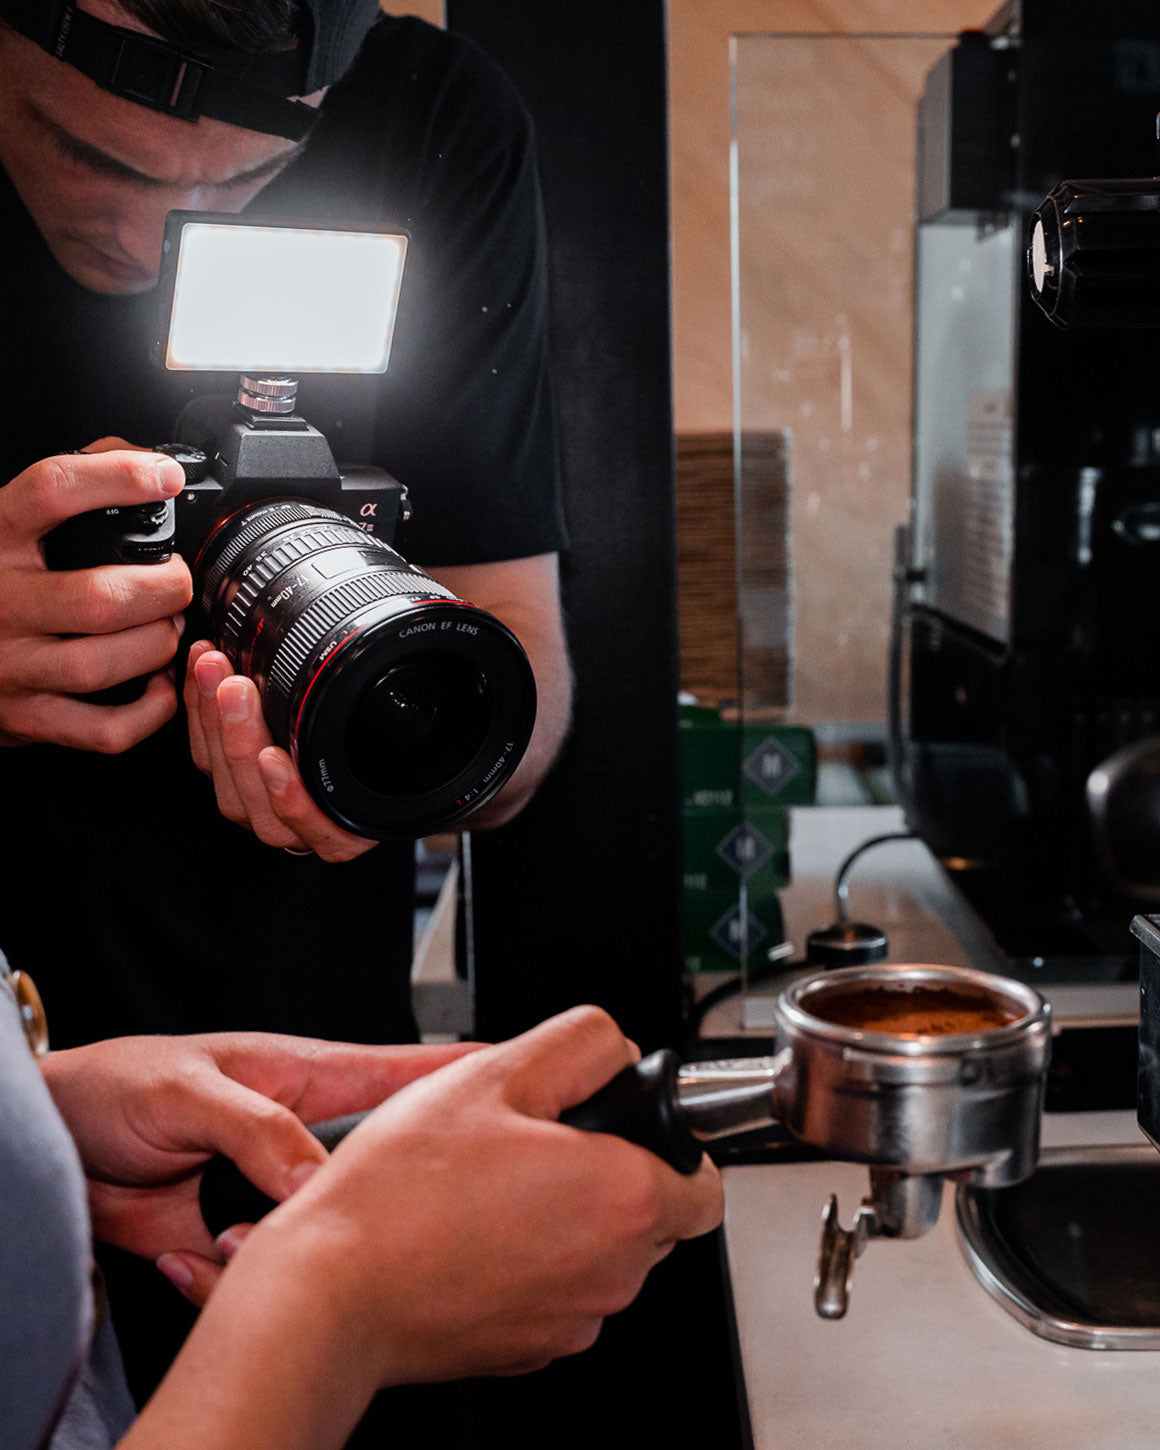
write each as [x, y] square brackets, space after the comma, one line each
[331, 609]
[288, 551]
[255, 524]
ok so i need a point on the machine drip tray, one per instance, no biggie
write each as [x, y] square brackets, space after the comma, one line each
[1071, 1252]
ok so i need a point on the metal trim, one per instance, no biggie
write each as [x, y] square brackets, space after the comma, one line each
[1015, 1298]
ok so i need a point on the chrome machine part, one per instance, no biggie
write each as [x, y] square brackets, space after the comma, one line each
[955, 1088]
[919, 1071]
[717, 1099]
[900, 1206]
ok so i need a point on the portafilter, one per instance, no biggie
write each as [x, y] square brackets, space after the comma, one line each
[922, 1072]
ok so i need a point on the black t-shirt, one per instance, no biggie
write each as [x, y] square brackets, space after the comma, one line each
[138, 907]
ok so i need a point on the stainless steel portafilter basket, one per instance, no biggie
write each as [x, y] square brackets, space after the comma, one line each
[922, 1072]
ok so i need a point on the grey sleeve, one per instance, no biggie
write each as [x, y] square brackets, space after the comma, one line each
[59, 1385]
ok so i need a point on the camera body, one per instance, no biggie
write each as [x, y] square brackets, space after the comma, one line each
[232, 456]
[404, 707]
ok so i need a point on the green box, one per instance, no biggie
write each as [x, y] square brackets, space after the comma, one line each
[724, 848]
[725, 764]
[712, 930]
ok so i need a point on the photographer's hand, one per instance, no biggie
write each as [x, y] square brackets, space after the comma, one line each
[257, 784]
[69, 633]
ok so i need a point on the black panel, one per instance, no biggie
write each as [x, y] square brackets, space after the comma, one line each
[579, 900]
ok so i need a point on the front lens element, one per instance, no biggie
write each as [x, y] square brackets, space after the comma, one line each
[421, 724]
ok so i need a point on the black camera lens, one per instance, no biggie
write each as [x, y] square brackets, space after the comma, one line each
[422, 723]
[404, 707]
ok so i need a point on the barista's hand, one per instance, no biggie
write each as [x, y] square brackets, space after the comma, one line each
[461, 1230]
[69, 633]
[257, 784]
[147, 1112]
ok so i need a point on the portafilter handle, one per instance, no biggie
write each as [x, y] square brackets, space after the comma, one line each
[660, 1105]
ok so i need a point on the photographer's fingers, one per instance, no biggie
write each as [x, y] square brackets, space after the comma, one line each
[101, 601]
[66, 633]
[295, 808]
[191, 697]
[256, 784]
[243, 736]
[41, 676]
[58, 488]
[207, 670]
[79, 664]
[64, 720]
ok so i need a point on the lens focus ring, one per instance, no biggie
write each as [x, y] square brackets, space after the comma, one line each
[285, 552]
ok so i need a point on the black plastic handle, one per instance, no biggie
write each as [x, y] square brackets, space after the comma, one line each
[228, 1197]
[639, 1104]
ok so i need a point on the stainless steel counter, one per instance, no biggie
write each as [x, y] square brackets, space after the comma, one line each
[924, 1358]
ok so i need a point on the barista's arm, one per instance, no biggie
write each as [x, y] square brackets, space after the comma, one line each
[258, 785]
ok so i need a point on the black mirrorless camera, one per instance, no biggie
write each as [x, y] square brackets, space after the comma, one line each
[404, 707]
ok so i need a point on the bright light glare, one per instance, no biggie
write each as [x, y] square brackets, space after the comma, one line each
[283, 299]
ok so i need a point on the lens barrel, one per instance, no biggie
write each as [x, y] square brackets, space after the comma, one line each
[404, 707]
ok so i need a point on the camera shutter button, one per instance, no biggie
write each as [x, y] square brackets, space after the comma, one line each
[194, 461]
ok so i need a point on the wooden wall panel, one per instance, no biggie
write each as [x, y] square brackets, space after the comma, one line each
[699, 33]
[822, 278]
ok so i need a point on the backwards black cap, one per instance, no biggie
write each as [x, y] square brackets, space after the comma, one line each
[247, 90]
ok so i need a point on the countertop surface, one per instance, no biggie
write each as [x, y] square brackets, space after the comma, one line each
[924, 1357]
[899, 887]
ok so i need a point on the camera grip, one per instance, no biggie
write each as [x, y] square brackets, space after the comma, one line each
[639, 1104]
[135, 534]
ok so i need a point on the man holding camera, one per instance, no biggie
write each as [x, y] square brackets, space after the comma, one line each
[184, 921]
[145, 898]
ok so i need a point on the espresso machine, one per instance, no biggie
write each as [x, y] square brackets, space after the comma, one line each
[1026, 642]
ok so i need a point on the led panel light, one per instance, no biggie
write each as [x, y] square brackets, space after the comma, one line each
[265, 298]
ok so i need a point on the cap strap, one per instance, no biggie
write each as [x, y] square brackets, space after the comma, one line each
[240, 89]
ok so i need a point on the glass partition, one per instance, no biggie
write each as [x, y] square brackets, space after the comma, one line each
[823, 205]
